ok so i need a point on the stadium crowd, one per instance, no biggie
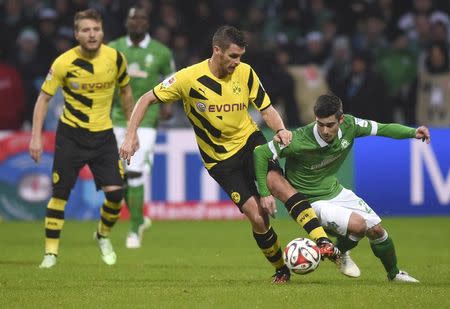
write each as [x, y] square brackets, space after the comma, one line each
[388, 60]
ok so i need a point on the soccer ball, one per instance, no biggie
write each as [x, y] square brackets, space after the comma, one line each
[302, 256]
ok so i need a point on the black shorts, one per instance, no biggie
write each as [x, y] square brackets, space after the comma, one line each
[75, 147]
[236, 175]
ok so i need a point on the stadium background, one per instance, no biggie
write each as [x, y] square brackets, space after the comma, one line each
[299, 48]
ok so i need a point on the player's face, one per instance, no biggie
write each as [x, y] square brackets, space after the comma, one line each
[230, 58]
[89, 34]
[137, 22]
[328, 127]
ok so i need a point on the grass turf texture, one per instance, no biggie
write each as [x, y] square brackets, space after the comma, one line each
[214, 264]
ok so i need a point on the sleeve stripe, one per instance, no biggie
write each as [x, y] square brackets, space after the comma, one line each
[154, 92]
[374, 126]
[260, 96]
[273, 150]
[122, 77]
[119, 61]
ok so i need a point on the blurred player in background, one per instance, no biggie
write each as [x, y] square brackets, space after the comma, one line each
[216, 94]
[87, 74]
[313, 158]
[148, 62]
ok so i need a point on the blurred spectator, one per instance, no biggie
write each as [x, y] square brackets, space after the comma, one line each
[338, 65]
[317, 14]
[387, 11]
[372, 38]
[47, 28]
[420, 36]
[314, 52]
[309, 84]
[11, 21]
[12, 99]
[432, 96]
[397, 65]
[363, 92]
[29, 63]
[440, 28]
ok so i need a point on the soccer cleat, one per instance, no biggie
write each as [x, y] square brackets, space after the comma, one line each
[348, 267]
[282, 275]
[49, 261]
[134, 240]
[107, 252]
[403, 276]
[328, 250]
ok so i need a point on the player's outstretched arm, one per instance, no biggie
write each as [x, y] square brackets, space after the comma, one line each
[39, 114]
[423, 133]
[131, 143]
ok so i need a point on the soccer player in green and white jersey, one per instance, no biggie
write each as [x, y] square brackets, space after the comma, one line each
[313, 158]
[149, 62]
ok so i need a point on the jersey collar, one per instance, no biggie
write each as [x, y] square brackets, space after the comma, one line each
[142, 44]
[319, 140]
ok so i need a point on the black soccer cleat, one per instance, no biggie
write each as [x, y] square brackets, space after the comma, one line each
[328, 250]
[282, 275]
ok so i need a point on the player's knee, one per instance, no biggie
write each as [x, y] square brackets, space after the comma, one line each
[115, 196]
[376, 232]
[135, 179]
[61, 193]
[357, 225]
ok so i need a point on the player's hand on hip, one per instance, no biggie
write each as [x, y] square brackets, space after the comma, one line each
[269, 205]
[423, 133]
[283, 137]
[35, 148]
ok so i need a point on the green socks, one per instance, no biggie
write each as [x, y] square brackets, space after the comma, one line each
[385, 251]
[345, 244]
[135, 203]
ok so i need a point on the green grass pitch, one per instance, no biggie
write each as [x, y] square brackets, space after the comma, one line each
[214, 264]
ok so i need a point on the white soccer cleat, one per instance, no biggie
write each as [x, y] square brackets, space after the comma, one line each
[106, 250]
[49, 261]
[134, 240]
[348, 267]
[403, 276]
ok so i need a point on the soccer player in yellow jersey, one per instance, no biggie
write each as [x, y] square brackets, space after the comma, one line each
[216, 94]
[87, 74]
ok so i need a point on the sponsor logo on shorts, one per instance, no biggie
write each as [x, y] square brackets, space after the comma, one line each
[55, 177]
[236, 197]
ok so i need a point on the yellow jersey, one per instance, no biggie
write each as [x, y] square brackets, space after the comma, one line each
[217, 108]
[88, 86]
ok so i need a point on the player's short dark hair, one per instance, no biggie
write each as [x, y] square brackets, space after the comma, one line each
[86, 14]
[227, 35]
[328, 105]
